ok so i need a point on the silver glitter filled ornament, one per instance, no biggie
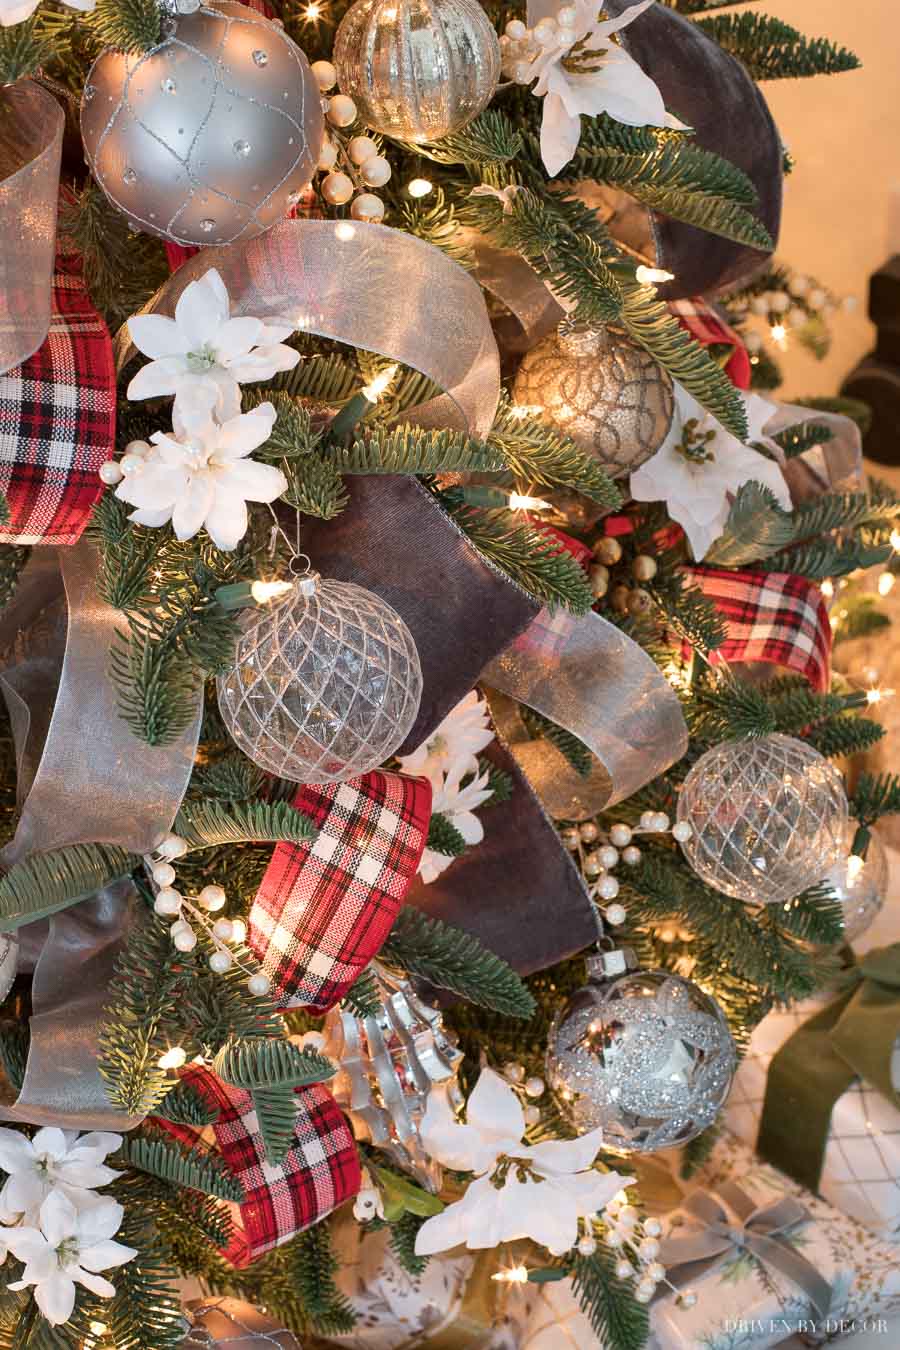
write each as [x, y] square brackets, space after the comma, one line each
[768, 818]
[648, 1056]
[417, 69]
[389, 1063]
[326, 683]
[9, 960]
[210, 136]
[608, 395]
[859, 884]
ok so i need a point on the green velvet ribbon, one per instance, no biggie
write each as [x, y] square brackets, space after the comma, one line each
[852, 1038]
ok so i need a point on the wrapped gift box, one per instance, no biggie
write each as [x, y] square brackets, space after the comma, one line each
[741, 1306]
[861, 1171]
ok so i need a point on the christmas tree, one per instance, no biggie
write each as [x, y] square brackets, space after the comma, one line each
[423, 767]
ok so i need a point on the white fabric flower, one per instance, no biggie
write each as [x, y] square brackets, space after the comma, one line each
[12, 11]
[201, 476]
[700, 465]
[454, 743]
[521, 1190]
[458, 804]
[70, 1247]
[54, 1159]
[203, 342]
[608, 80]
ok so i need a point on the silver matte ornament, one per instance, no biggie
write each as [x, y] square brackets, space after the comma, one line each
[768, 818]
[607, 394]
[326, 683]
[417, 69]
[389, 1063]
[212, 135]
[648, 1056]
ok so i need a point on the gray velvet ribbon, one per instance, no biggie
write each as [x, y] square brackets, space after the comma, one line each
[371, 286]
[723, 1224]
[84, 777]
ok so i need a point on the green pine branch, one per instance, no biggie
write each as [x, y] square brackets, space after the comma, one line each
[127, 25]
[403, 1242]
[315, 487]
[233, 778]
[24, 48]
[12, 559]
[206, 823]
[798, 440]
[538, 563]
[444, 837]
[324, 380]
[455, 960]
[773, 50]
[183, 1167]
[184, 1105]
[145, 1313]
[417, 450]
[688, 613]
[874, 796]
[363, 999]
[827, 559]
[684, 165]
[543, 457]
[491, 138]
[314, 1266]
[756, 527]
[436, 222]
[618, 1320]
[44, 883]
[845, 736]
[121, 269]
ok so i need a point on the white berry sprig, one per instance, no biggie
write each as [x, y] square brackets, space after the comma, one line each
[189, 915]
[351, 164]
[606, 849]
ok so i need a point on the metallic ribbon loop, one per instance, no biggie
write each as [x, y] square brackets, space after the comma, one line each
[85, 778]
[593, 680]
[31, 135]
[516, 285]
[835, 466]
[722, 1224]
[370, 286]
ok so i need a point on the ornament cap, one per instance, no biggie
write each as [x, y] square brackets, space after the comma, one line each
[607, 965]
[582, 339]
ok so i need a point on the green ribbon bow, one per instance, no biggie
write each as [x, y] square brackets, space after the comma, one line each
[852, 1038]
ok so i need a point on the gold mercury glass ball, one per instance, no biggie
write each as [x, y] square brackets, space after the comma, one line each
[607, 394]
[417, 69]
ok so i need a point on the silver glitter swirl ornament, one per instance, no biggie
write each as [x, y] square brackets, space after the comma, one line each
[607, 394]
[648, 1056]
[211, 136]
[389, 1062]
[326, 683]
[417, 69]
[768, 818]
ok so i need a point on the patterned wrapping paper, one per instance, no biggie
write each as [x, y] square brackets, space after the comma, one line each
[324, 909]
[861, 1172]
[57, 420]
[739, 1308]
[320, 1171]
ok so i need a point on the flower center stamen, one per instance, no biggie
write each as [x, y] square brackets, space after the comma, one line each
[201, 360]
[694, 445]
[523, 1168]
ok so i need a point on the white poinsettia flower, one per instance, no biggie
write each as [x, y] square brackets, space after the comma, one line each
[454, 743]
[539, 1191]
[70, 1246]
[54, 1159]
[203, 342]
[580, 71]
[700, 466]
[201, 476]
[458, 804]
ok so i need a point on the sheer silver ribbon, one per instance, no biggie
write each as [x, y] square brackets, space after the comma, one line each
[373, 287]
[31, 135]
[83, 777]
[721, 1225]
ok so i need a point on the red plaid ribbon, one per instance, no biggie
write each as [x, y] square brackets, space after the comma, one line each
[771, 616]
[320, 1171]
[57, 420]
[325, 909]
[704, 324]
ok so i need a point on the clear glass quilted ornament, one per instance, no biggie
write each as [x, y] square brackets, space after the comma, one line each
[768, 818]
[648, 1056]
[325, 686]
[859, 885]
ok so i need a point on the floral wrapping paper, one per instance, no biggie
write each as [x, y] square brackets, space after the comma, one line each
[861, 1171]
[741, 1307]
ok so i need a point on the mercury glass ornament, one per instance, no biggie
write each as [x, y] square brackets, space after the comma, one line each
[417, 69]
[859, 884]
[209, 137]
[648, 1056]
[607, 394]
[768, 818]
[325, 685]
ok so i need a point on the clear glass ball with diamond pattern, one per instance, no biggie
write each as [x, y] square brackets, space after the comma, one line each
[646, 1056]
[768, 818]
[607, 394]
[325, 685]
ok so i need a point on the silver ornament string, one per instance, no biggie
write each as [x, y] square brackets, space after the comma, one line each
[201, 1338]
